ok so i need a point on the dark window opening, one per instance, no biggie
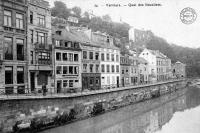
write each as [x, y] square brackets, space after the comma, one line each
[31, 17]
[65, 56]
[97, 56]
[9, 75]
[70, 83]
[70, 69]
[20, 75]
[20, 49]
[75, 57]
[91, 68]
[64, 69]
[58, 56]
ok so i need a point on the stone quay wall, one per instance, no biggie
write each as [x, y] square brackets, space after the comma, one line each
[13, 110]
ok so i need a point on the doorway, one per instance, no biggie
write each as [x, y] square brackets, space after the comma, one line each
[117, 81]
[58, 86]
[32, 81]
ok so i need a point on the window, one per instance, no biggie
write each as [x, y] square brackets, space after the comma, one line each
[84, 67]
[58, 70]
[70, 69]
[91, 55]
[70, 55]
[102, 57]
[20, 49]
[31, 31]
[84, 54]
[19, 21]
[64, 55]
[127, 70]
[113, 58]
[117, 58]
[75, 57]
[31, 57]
[108, 68]
[8, 49]
[64, 69]
[102, 68]
[108, 39]
[76, 70]
[113, 68]
[91, 68]
[57, 43]
[41, 38]
[108, 57]
[7, 18]
[91, 82]
[70, 83]
[117, 68]
[31, 17]
[97, 68]
[122, 71]
[44, 57]
[97, 56]
[97, 82]
[20, 75]
[76, 45]
[58, 56]
[8, 75]
[41, 20]
[65, 83]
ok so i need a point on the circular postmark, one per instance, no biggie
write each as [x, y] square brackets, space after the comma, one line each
[188, 15]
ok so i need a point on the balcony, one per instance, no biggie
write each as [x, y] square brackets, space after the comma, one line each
[10, 29]
[39, 46]
[44, 62]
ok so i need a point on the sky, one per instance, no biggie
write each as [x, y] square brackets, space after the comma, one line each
[163, 21]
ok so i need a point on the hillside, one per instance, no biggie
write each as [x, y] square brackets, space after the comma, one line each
[189, 56]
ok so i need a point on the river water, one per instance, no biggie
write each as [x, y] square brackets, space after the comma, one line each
[178, 112]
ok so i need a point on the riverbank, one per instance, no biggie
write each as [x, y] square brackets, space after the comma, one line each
[85, 106]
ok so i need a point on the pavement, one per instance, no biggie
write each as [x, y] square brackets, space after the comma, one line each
[84, 93]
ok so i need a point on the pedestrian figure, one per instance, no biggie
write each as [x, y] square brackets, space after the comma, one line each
[44, 89]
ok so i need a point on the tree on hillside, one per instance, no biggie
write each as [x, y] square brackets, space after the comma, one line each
[60, 10]
[106, 18]
[77, 11]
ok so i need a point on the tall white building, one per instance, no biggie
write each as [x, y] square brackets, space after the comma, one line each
[109, 58]
[159, 65]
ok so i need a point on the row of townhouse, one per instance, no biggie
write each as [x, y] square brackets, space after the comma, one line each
[25, 45]
[34, 52]
[84, 60]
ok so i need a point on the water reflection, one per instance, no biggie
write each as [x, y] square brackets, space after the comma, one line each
[145, 117]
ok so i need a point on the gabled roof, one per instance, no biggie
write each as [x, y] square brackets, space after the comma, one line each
[157, 53]
[65, 34]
